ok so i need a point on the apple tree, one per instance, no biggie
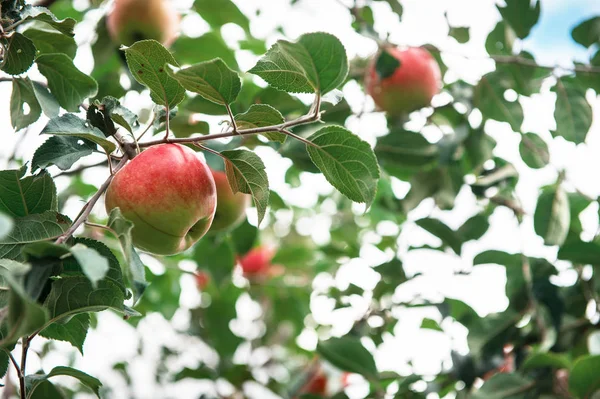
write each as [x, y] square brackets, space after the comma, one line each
[304, 195]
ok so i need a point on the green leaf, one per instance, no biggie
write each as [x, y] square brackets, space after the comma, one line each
[501, 39]
[504, 386]
[114, 274]
[588, 32]
[6, 225]
[24, 315]
[584, 379]
[22, 94]
[135, 268]
[585, 253]
[42, 14]
[119, 114]
[217, 256]
[474, 228]
[72, 295]
[521, 15]
[550, 359]
[348, 354]
[19, 56]
[401, 151]
[50, 41]
[148, 61]
[62, 151]
[386, 65]
[317, 62]
[262, 115]
[32, 228]
[33, 381]
[74, 331]
[220, 12]
[47, 101]
[47, 390]
[213, 80]
[246, 173]
[72, 125]
[94, 265]
[461, 34]
[534, 151]
[552, 215]
[68, 84]
[448, 236]
[525, 79]
[573, 113]
[346, 161]
[244, 237]
[22, 196]
[489, 98]
[430, 324]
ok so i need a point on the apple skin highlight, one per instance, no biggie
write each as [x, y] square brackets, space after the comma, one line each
[169, 194]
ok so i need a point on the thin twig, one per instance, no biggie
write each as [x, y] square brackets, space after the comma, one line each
[25, 347]
[147, 128]
[79, 169]
[210, 150]
[87, 209]
[233, 124]
[299, 138]
[309, 118]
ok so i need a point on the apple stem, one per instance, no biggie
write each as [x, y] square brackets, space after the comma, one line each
[167, 124]
[87, 208]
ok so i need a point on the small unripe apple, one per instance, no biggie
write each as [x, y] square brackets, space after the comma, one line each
[134, 20]
[202, 279]
[408, 87]
[257, 262]
[169, 194]
[231, 208]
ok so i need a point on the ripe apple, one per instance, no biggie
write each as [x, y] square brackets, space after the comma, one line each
[202, 279]
[317, 385]
[231, 208]
[169, 194]
[257, 262]
[134, 20]
[408, 87]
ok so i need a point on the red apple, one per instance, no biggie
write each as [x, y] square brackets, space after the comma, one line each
[202, 279]
[134, 20]
[169, 194]
[410, 86]
[317, 385]
[257, 262]
[231, 208]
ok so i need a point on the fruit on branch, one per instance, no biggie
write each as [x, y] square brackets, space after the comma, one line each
[169, 194]
[202, 279]
[231, 208]
[257, 262]
[134, 20]
[403, 80]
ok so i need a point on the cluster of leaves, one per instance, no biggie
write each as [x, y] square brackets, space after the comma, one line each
[51, 281]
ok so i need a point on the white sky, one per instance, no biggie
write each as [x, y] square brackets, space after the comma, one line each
[423, 22]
